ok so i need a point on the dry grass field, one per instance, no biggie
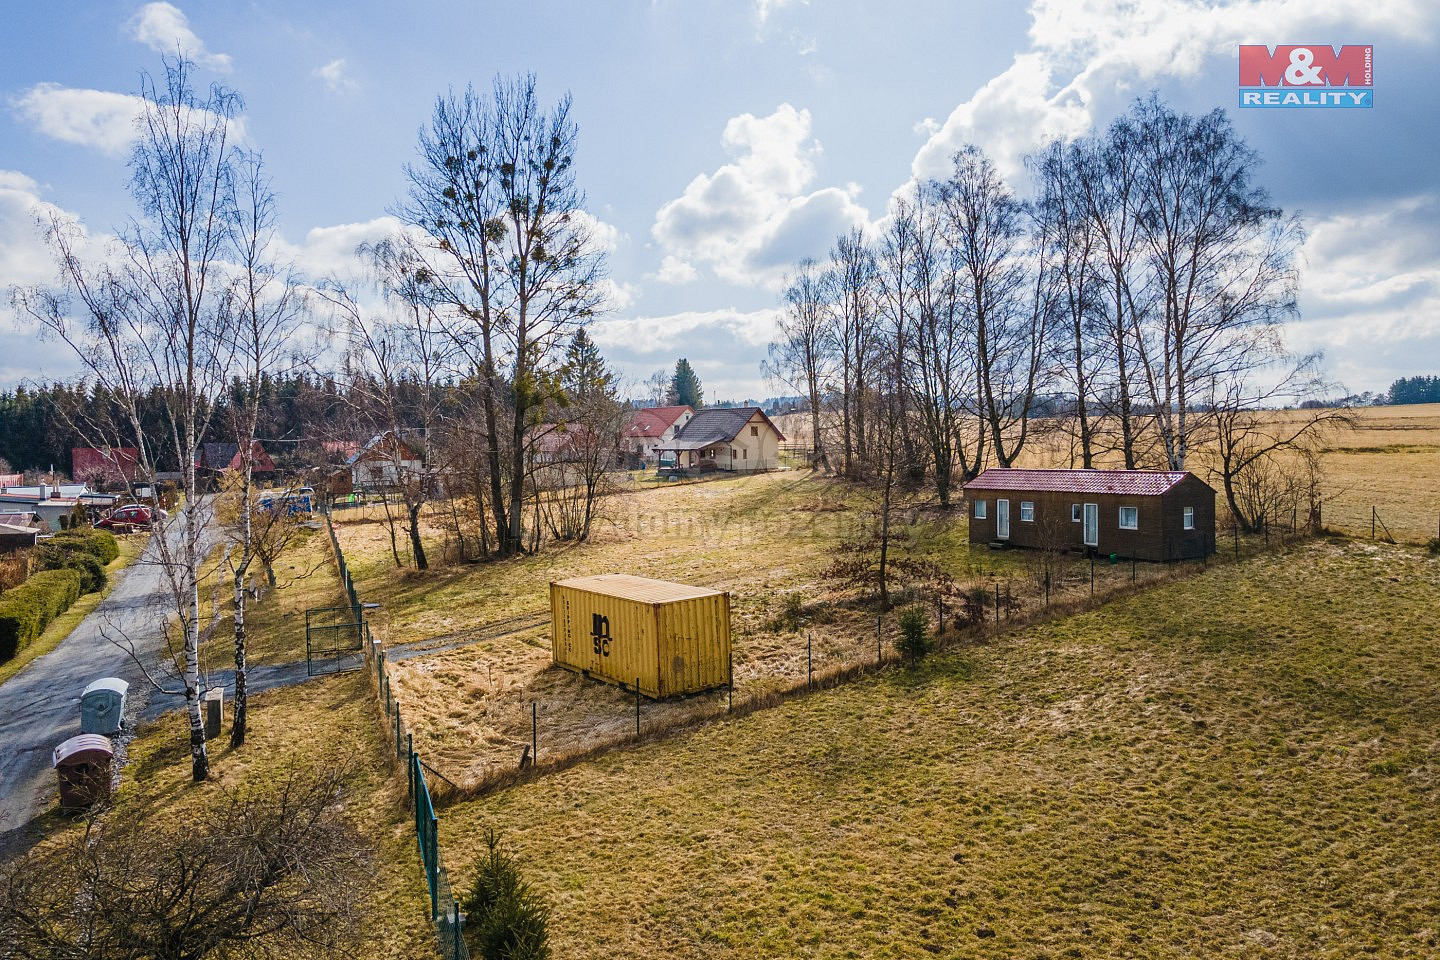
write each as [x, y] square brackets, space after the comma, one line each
[1389, 459]
[1238, 764]
[469, 660]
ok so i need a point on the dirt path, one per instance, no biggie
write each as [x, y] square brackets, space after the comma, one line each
[39, 706]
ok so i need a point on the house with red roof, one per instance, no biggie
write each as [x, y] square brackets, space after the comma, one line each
[1135, 514]
[648, 427]
[100, 466]
[220, 457]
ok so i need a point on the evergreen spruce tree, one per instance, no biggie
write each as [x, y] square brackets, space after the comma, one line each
[685, 386]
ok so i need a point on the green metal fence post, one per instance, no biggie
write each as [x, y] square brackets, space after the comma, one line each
[434, 866]
[455, 930]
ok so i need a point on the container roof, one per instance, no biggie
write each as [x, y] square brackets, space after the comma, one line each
[107, 683]
[628, 587]
[82, 744]
[1139, 483]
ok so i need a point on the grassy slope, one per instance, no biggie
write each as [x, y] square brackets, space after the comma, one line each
[761, 537]
[62, 626]
[1241, 764]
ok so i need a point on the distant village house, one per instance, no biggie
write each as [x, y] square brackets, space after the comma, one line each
[740, 439]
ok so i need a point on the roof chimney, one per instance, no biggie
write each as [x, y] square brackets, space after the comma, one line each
[44, 490]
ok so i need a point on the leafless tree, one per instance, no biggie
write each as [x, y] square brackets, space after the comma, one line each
[801, 356]
[399, 357]
[1268, 461]
[1062, 218]
[852, 292]
[268, 311]
[512, 257]
[155, 320]
[1220, 258]
[1106, 172]
[278, 872]
[1006, 291]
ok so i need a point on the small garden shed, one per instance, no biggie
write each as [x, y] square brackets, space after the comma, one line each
[1140, 514]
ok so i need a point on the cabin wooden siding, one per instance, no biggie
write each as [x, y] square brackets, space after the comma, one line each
[1160, 534]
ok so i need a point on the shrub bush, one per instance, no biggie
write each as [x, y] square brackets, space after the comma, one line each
[100, 543]
[1434, 546]
[506, 920]
[914, 639]
[27, 610]
[71, 555]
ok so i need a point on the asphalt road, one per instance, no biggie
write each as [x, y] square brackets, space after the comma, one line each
[40, 706]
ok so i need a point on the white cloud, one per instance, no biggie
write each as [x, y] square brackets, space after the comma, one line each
[25, 259]
[335, 77]
[1085, 51]
[330, 251]
[91, 118]
[605, 236]
[723, 345]
[673, 270]
[665, 335]
[619, 295]
[165, 28]
[1370, 292]
[98, 119]
[752, 218]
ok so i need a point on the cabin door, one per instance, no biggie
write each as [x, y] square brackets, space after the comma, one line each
[1092, 524]
[1002, 519]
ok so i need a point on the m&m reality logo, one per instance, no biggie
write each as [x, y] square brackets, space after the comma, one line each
[1309, 75]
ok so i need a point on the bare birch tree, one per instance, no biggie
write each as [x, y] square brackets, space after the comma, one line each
[267, 313]
[801, 357]
[1220, 257]
[1006, 291]
[153, 319]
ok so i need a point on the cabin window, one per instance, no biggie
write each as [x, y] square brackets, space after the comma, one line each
[1075, 512]
[980, 510]
[732, 453]
[755, 431]
[1189, 518]
[1027, 511]
[744, 453]
[1129, 518]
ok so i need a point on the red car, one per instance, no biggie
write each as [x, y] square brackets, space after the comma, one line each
[134, 515]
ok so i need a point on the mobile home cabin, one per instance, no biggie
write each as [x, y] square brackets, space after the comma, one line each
[1140, 514]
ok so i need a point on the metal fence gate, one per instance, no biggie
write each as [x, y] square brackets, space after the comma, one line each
[335, 640]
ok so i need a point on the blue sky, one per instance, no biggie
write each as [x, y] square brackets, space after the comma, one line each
[721, 141]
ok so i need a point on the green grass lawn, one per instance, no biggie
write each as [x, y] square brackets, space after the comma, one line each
[1239, 764]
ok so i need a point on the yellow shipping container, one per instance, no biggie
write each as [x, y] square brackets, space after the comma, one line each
[670, 637]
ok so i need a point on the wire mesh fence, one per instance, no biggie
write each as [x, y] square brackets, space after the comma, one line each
[445, 911]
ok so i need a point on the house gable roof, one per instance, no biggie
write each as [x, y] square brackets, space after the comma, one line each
[654, 421]
[1135, 483]
[717, 425]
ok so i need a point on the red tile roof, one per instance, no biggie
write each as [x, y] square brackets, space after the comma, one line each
[1138, 483]
[653, 421]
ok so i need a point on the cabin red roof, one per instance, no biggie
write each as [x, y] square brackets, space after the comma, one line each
[1135, 483]
[654, 421]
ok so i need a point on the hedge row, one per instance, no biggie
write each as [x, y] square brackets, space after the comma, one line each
[26, 610]
[86, 551]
